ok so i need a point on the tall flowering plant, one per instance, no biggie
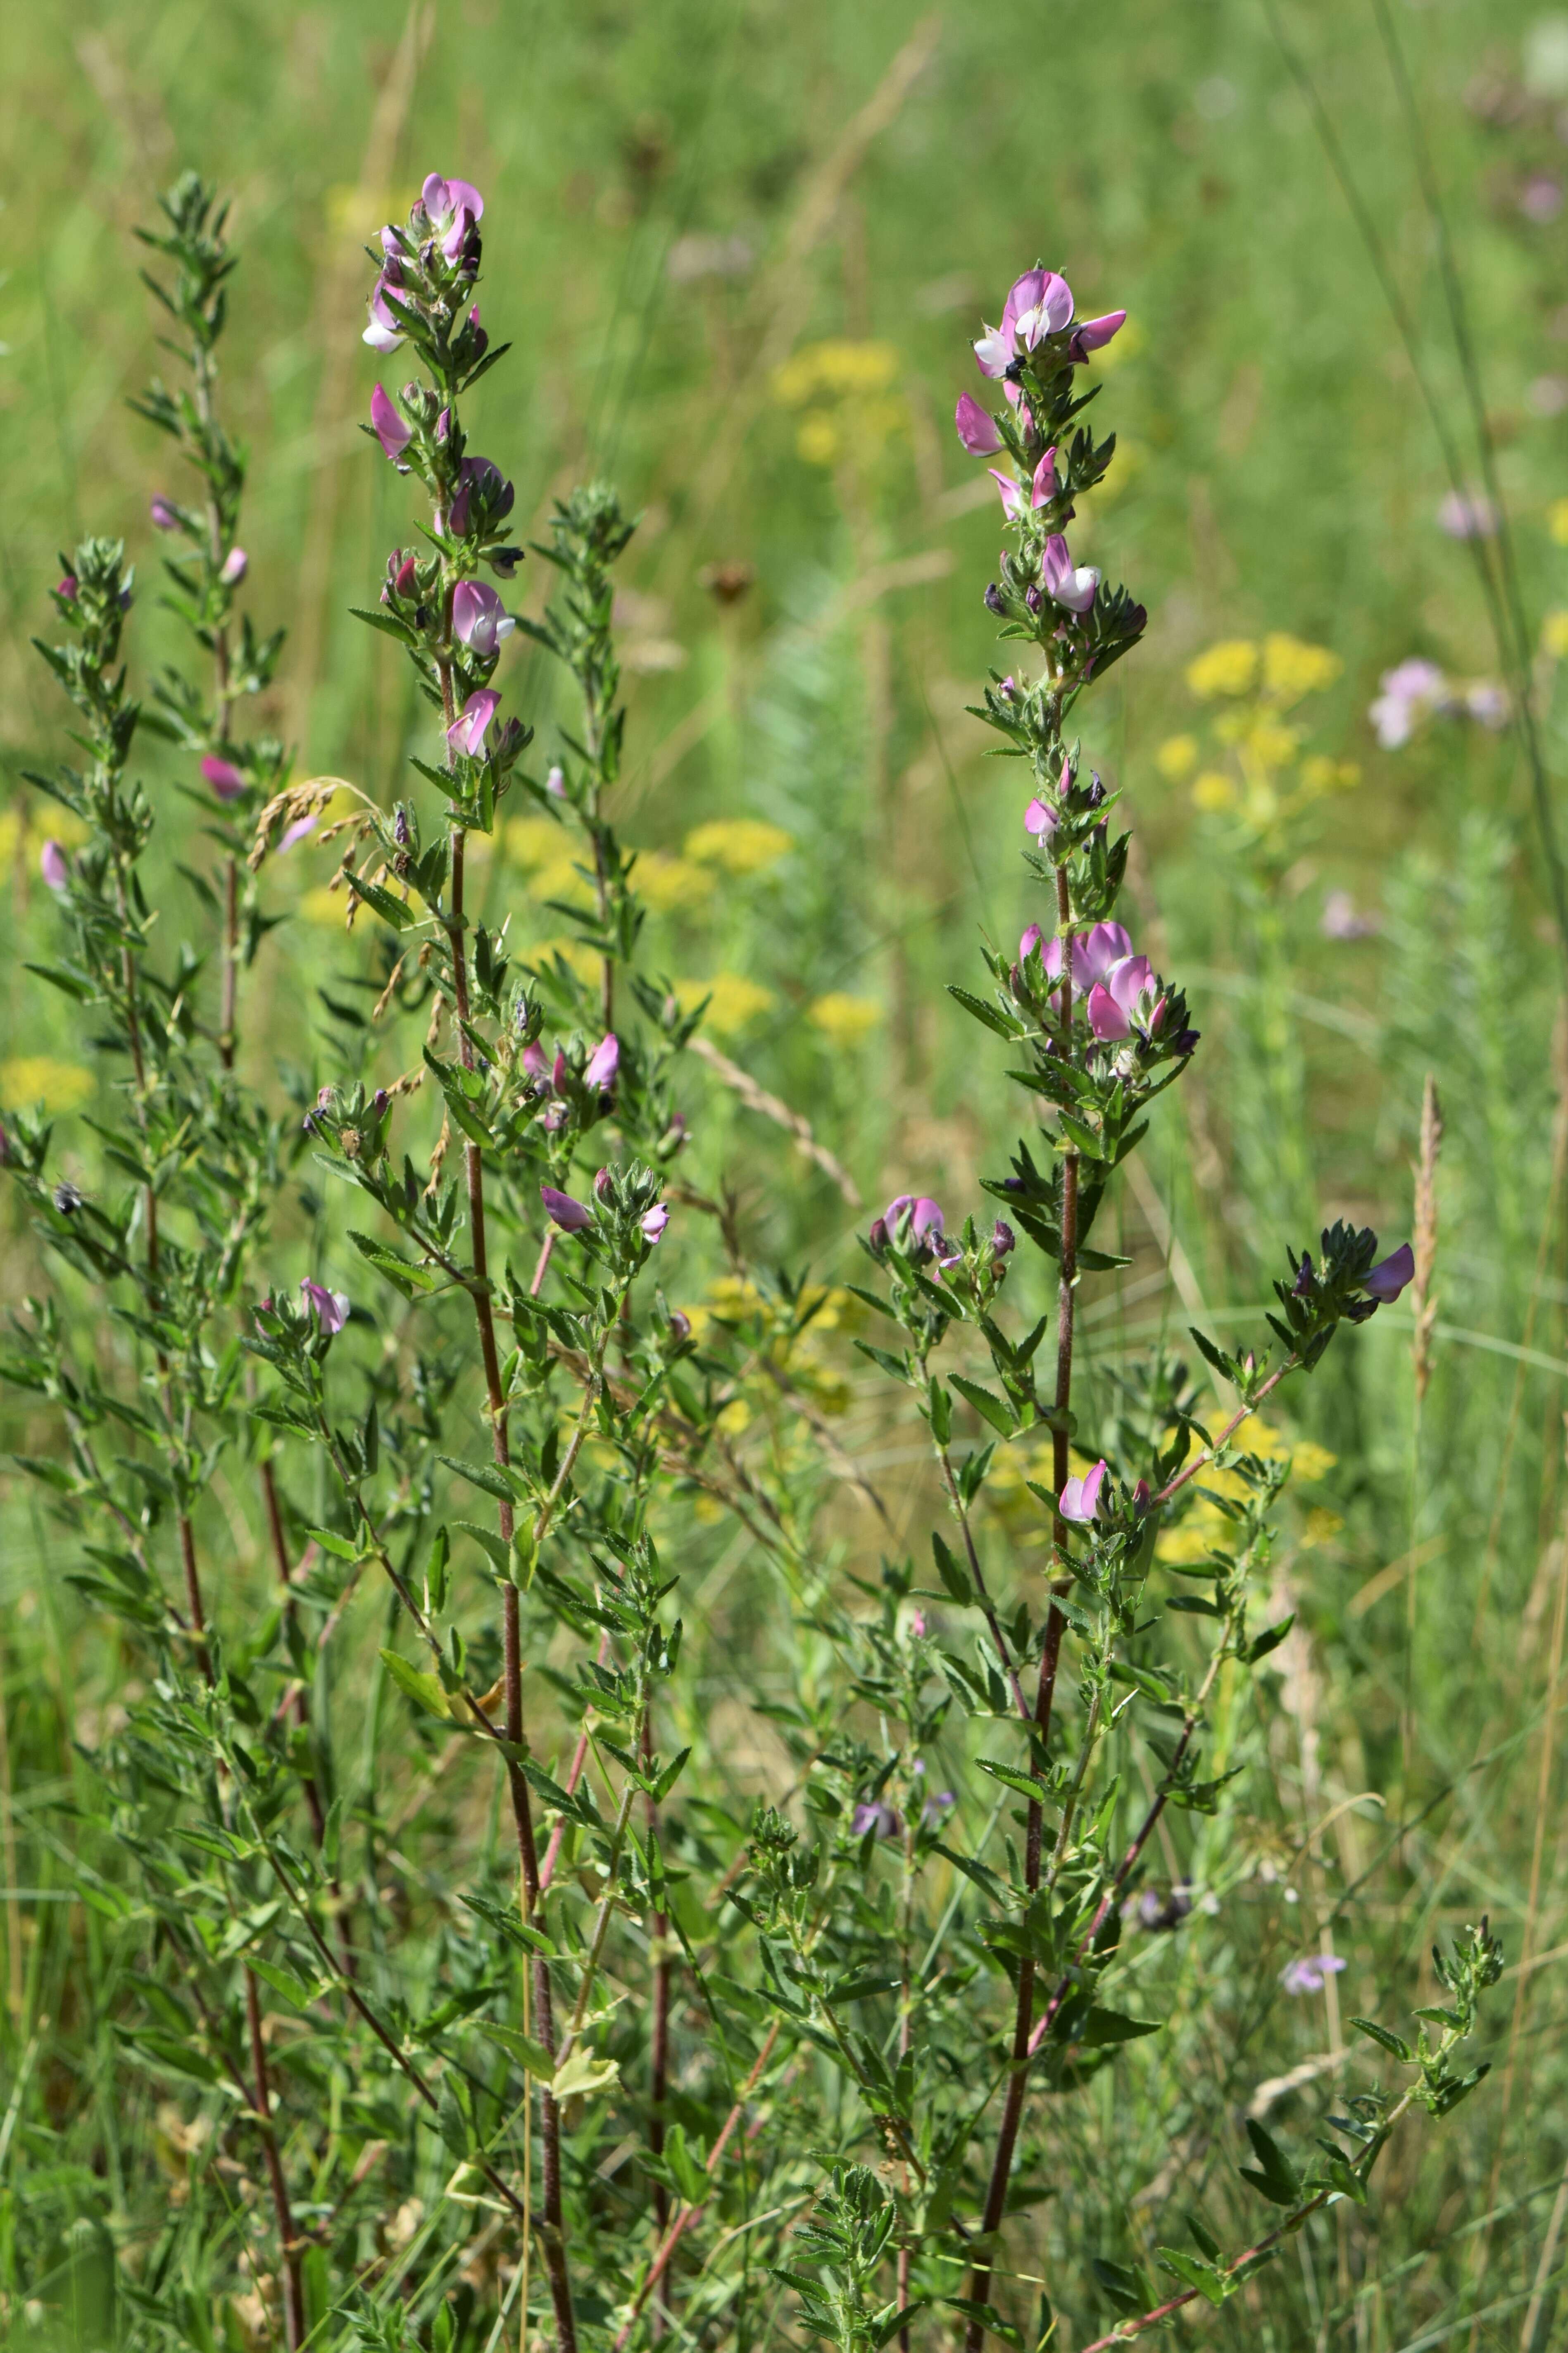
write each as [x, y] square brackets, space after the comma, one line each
[649, 2062]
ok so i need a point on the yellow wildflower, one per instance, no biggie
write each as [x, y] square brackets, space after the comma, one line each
[1322, 775]
[1228, 668]
[1554, 632]
[669, 883]
[818, 438]
[837, 368]
[1292, 668]
[29, 1079]
[1557, 520]
[1321, 1528]
[1215, 792]
[1177, 757]
[844, 1021]
[735, 1418]
[1271, 743]
[532, 840]
[561, 879]
[740, 845]
[735, 1002]
[573, 954]
[1309, 1461]
[324, 906]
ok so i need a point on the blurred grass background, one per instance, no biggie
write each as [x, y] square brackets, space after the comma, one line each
[740, 249]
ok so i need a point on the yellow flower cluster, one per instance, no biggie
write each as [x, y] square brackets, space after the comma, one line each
[671, 885]
[848, 392]
[740, 845]
[28, 1080]
[1271, 783]
[844, 1021]
[24, 832]
[1205, 1528]
[734, 1002]
[733, 1299]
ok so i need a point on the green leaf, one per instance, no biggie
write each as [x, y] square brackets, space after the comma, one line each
[386, 903]
[1394, 2044]
[951, 1571]
[396, 1268]
[285, 1982]
[1103, 2027]
[990, 1408]
[1274, 2174]
[1270, 1638]
[1012, 1778]
[481, 1475]
[425, 1691]
[988, 1014]
[531, 2056]
[329, 1541]
[1192, 2271]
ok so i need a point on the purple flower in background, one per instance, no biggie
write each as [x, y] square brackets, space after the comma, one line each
[67, 586]
[935, 1807]
[297, 831]
[563, 1211]
[534, 1060]
[1074, 586]
[1079, 1498]
[1540, 198]
[874, 1814]
[1467, 514]
[603, 1063]
[1488, 702]
[226, 781]
[391, 428]
[1093, 334]
[680, 1326]
[653, 1222]
[331, 1307]
[236, 565]
[453, 207]
[1406, 693]
[383, 334]
[1338, 920]
[166, 517]
[976, 427]
[54, 865]
[479, 619]
[466, 731]
[1311, 1974]
[1389, 1277]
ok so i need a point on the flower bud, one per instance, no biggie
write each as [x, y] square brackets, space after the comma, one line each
[236, 565]
[1003, 1240]
[603, 1185]
[993, 601]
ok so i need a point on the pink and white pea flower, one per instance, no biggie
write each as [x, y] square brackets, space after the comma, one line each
[54, 865]
[331, 1307]
[976, 427]
[604, 1063]
[1042, 488]
[466, 733]
[383, 333]
[1040, 818]
[479, 619]
[1074, 586]
[453, 207]
[1093, 334]
[1079, 1498]
[1094, 952]
[1112, 1001]
[653, 1222]
[391, 428]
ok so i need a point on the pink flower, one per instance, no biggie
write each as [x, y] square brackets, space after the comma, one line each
[976, 427]
[236, 565]
[166, 517]
[1042, 489]
[226, 781]
[603, 1064]
[1311, 1974]
[534, 1060]
[479, 619]
[1065, 582]
[1029, 942]
[1340, 920]
[653, 1221]
[1467, 514]
[1079, 1498]
[391, 428]
[297, 831]
[331, 1307]
[1409, 690]
[1094, 952]
[563, 1211]
[1093, 334]
[54, 865]
[556, 783]
[466, 731]
[925, 1217]
[1389, 1277]
[1039, 304]
[383, 334]
[1111, 1000]
[1040, 818]
[453, 207]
